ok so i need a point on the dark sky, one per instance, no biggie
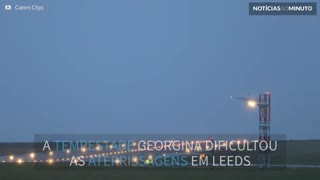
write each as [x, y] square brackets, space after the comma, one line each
[155, 66]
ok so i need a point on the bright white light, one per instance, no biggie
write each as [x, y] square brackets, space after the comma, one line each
[20, 161]
[32, 155]
[68, 151]
[50, 153]
[11, 157]
[252, 103]
[135, 159]
[150, 157]
[117, 161]
[83, 149]
[50, 161]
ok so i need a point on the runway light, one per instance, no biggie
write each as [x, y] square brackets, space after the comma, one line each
[134, 143]
[98, 148]
[50, 161]
[187, 150]
[68, 151]
[83, 150]
[117, 161]
[32, 155]
[150, 157]
[20, 161]
[252, 103]
[11, 157]
[50, 153]
[135, 159]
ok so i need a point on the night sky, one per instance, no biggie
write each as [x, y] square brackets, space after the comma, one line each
[155, 66]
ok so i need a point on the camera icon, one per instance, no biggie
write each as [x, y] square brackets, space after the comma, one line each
[7, 7]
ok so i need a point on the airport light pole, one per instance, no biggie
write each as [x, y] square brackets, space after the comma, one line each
[264, 105]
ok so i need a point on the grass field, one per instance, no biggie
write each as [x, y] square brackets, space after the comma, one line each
[26, 172]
